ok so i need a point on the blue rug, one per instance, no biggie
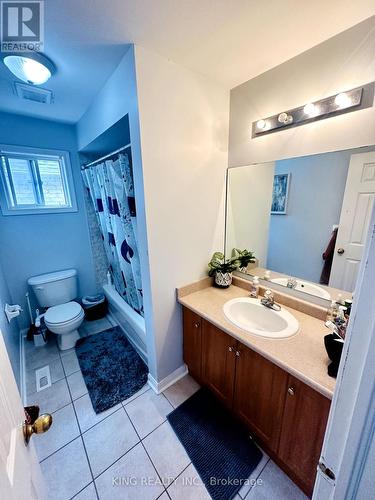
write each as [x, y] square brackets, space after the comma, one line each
[112, 369]
[217, 443]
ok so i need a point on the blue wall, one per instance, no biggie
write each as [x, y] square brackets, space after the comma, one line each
[41, 243]
[316, 190]
[9, 331]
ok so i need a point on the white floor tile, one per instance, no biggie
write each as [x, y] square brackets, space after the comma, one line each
[89, 493]
[144, 389]
[114, 436]
[70, 363]
[181, 390]
[254, 475]
[133, 477]
[56, 370]
[166, 452]
[77, 385]
[63, 430]
[35, 357]
[93, 327]
[67, 471]
[188, 486]
[51, 399]
[274, 483]
[148, 411]
[164, 496]
[86, 414]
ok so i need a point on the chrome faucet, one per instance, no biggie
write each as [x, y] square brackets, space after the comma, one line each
[269, 301]
[291, 283]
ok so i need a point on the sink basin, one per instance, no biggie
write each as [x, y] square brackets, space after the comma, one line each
[305, 286]
[250, 315]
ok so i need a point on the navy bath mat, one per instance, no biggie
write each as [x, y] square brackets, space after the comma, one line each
[112, 369]
[217, 444]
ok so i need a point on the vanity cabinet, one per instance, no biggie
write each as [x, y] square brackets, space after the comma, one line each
[286, 417]
[192, 327]
[259, 395]
[218, 362]
[304, 422]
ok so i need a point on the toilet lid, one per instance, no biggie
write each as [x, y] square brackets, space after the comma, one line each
[63, 313]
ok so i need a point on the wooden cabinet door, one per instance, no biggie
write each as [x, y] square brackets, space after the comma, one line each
[218, 362]
[192, 325]
[304, 423]
[259, 396]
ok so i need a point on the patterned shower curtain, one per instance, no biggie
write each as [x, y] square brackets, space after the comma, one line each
[111, 188]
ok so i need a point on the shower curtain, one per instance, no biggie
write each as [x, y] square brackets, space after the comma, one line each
[111, 189]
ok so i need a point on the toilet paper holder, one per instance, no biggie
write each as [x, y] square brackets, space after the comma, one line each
[12, 311]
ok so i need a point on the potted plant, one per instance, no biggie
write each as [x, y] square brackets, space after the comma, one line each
[244, 257]
[222, 269]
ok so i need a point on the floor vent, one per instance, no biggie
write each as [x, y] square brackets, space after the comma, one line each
[34, 94]
[43, 378]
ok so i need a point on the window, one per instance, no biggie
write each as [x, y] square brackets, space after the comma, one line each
[35, 181]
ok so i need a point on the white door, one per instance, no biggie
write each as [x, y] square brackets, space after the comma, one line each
[354, 221]
[20, 474]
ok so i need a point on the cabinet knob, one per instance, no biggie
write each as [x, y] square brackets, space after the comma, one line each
[230, 349]
[291, 391]
[197, 324]
[238, 354]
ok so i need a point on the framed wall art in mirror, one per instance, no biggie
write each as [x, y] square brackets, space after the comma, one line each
[325, 200]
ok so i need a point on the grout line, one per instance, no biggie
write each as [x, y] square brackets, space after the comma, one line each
[80, 491]
[144, 447]
[139, 395]
[178, 475]
[117, 459]
[100, 421]
[58, 449]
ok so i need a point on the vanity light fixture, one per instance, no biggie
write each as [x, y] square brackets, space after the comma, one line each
[261, 124]
[358, 98]
[343, 100]
[310, 109]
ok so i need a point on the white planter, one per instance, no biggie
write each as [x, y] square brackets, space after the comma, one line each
[223, 280]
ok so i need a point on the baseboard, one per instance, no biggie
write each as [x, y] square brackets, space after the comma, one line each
[23, 333]
[166, 382]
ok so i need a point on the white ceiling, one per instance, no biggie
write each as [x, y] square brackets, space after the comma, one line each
[230, 41]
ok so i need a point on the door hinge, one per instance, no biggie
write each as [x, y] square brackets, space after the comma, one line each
[327, 471]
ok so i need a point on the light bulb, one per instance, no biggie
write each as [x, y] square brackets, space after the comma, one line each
[310, 109]
[261, 124]
[28, 69]
[342, 100]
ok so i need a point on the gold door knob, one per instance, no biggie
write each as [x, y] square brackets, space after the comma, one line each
[41, 424]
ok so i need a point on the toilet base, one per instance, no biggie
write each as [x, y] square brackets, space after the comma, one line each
[67, 340]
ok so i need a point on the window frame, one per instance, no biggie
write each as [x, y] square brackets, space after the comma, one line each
[32, 154]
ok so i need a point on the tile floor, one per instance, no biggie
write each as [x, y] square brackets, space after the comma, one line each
[127, 452]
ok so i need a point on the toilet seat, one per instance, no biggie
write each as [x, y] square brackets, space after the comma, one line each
[63, 314]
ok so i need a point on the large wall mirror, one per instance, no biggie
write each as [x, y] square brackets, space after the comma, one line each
[305, 219]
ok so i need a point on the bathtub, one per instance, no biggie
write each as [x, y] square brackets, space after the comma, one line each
[132, 324]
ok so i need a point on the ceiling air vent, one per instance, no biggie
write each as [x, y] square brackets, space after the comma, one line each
[34, 94]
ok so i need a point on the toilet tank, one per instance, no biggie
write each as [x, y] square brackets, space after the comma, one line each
[55, 288]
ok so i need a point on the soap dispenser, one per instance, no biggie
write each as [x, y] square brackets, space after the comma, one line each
[254, 288]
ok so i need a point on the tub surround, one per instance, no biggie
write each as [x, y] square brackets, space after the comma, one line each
[302, 355]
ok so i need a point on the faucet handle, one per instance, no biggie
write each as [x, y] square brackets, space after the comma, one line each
[268, 294]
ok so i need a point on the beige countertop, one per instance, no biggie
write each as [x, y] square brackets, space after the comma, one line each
[302, 355]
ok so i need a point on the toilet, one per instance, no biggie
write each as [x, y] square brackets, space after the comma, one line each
[57, 291]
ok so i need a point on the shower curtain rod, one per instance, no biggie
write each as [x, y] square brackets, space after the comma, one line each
[99, 160]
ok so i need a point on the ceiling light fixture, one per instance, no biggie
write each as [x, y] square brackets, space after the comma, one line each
[32, 67]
